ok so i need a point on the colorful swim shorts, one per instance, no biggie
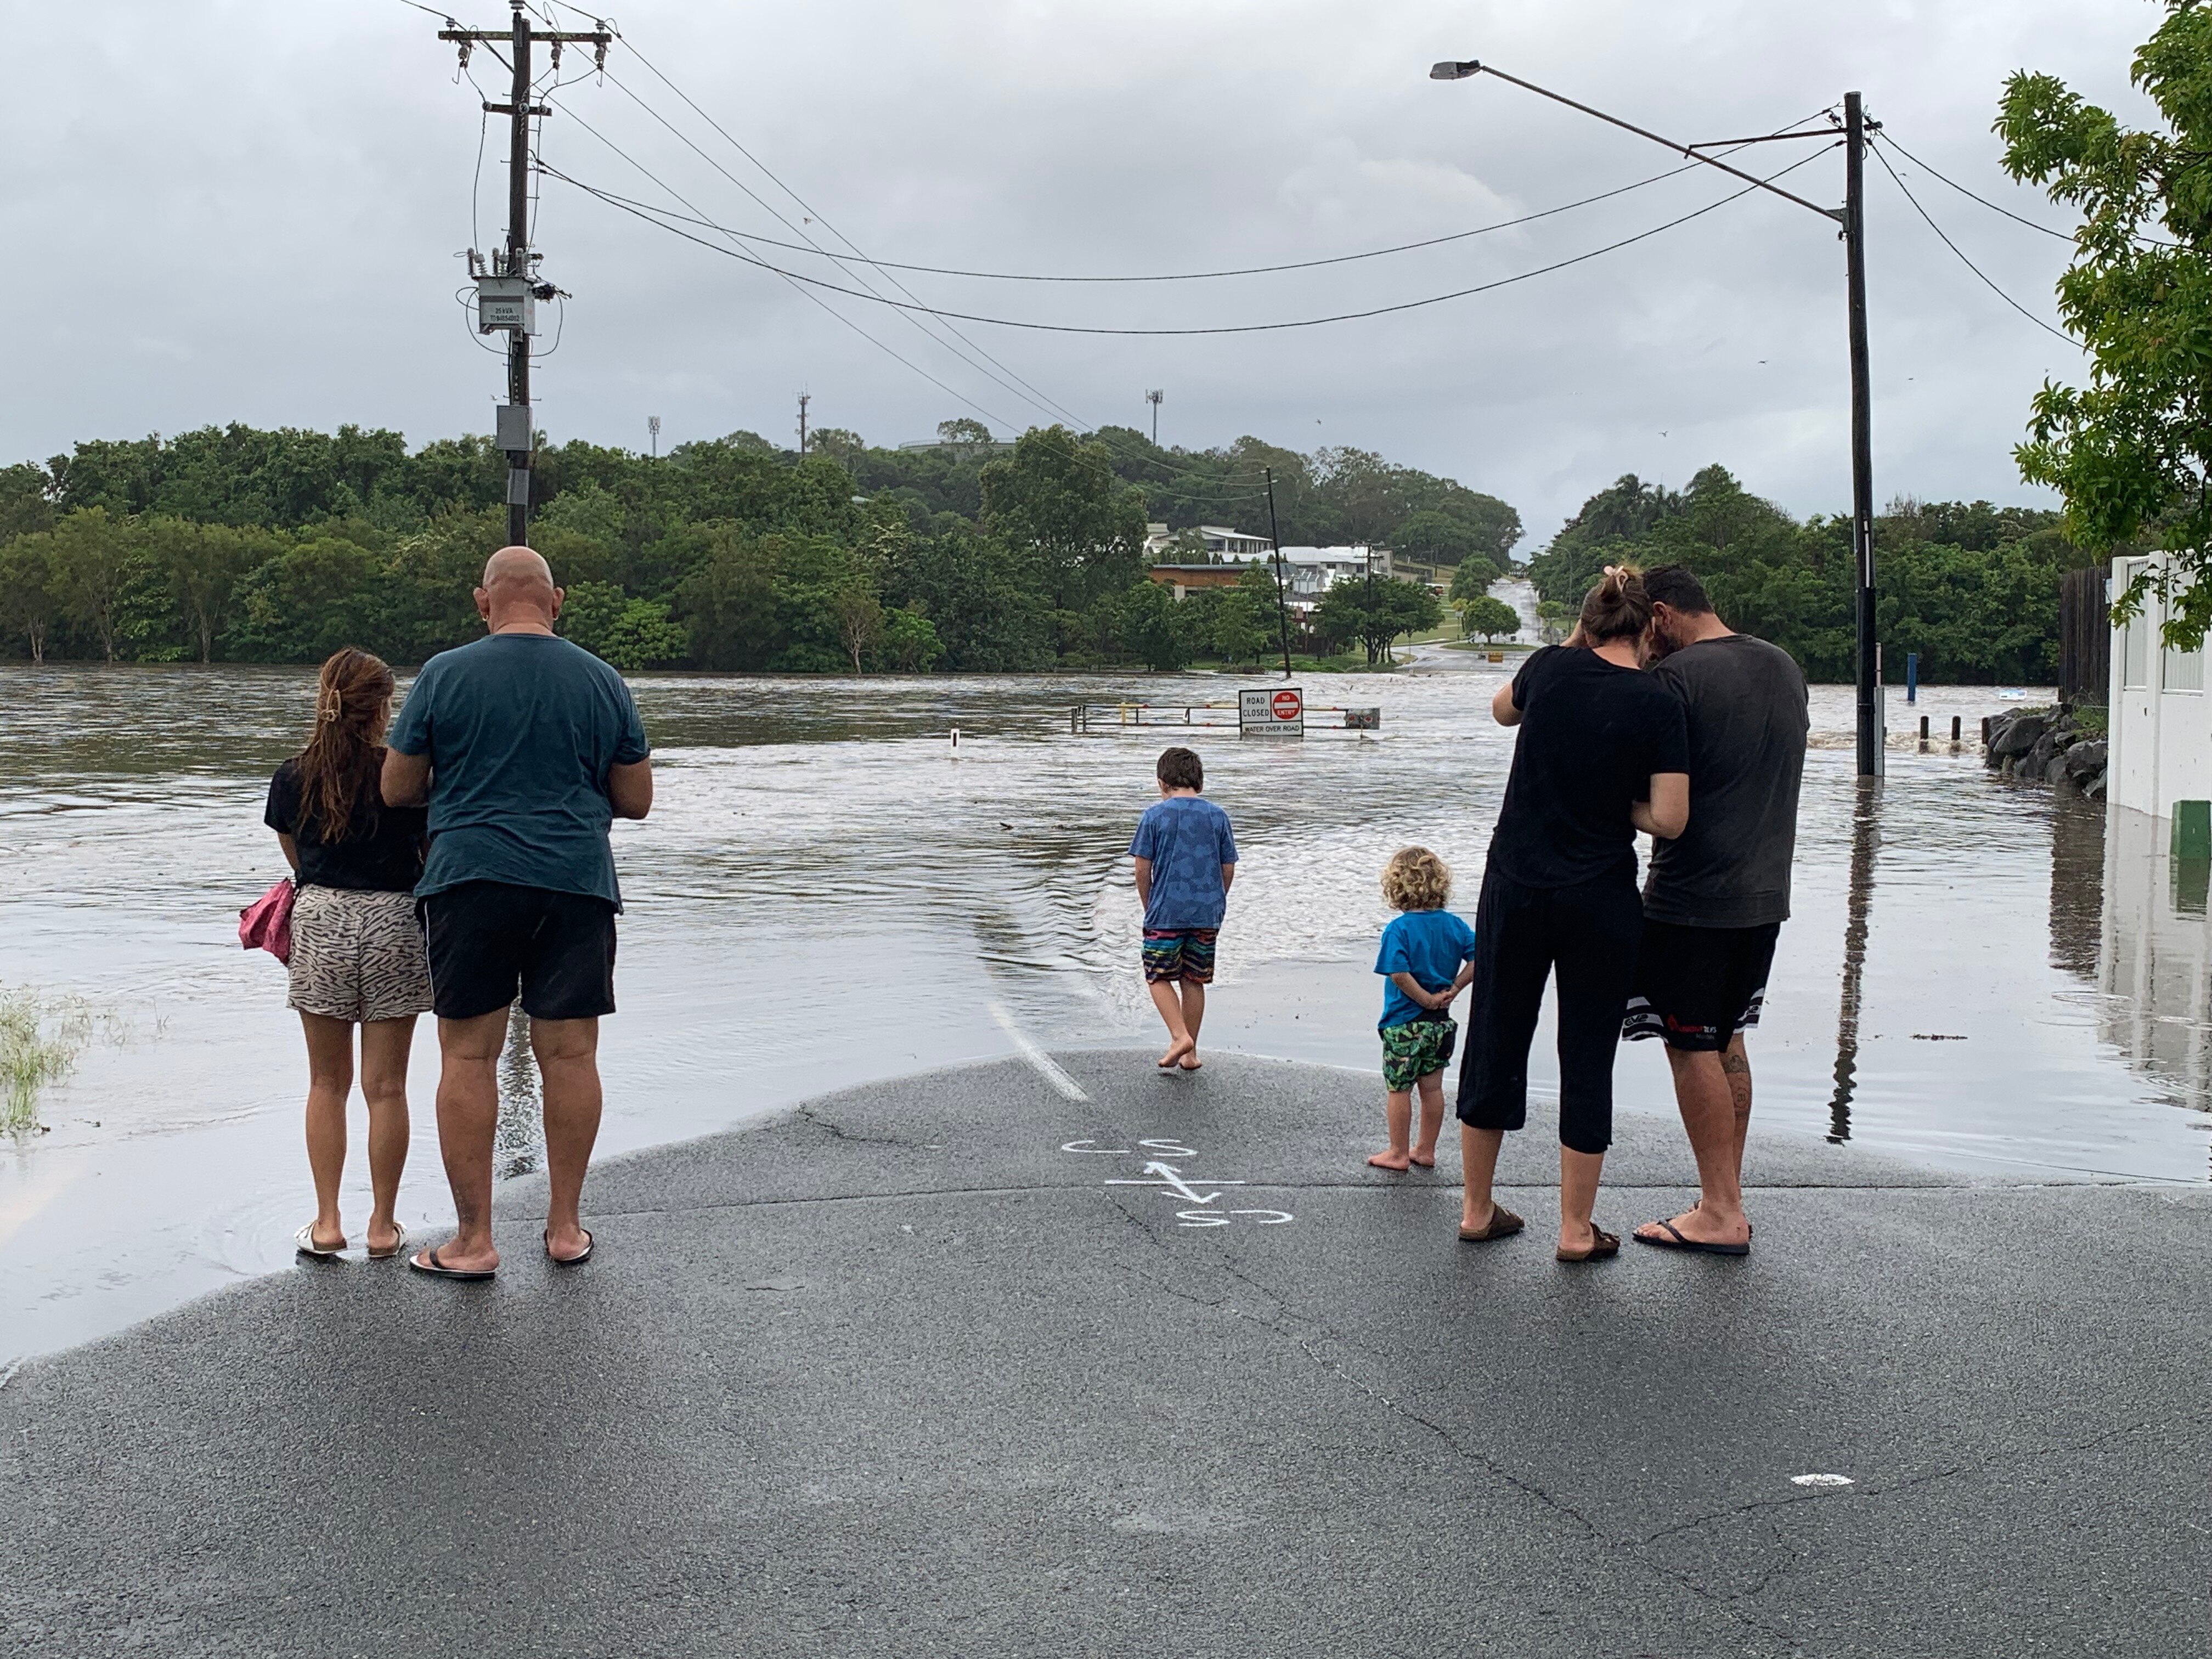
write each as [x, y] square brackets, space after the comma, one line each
[1411, 1051]
[1180, 953]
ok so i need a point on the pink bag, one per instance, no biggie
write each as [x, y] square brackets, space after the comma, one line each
[266, 924]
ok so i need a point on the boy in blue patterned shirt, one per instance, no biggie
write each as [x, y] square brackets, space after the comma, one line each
[1186, 857]
[1428, 954]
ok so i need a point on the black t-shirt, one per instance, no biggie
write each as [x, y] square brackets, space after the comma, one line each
[1746, 704]
[383, 855]
[1592, 733]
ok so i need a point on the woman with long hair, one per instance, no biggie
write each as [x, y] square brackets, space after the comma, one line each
[358, 955]
[1603, 752]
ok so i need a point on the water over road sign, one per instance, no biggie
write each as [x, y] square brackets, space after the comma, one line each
[1274, 712]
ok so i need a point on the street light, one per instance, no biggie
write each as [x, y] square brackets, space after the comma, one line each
[1852, 217]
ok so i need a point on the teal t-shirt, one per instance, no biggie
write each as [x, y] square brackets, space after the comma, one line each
[520, 730]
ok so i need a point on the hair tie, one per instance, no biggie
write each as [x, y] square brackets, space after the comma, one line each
[332, 705]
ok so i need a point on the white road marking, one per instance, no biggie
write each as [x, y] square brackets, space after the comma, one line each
[1169, 1148]
[1821, 1480]
[1279, 1215]
[1093, 1146]
[1036, 1057]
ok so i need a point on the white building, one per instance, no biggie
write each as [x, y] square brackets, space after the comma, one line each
[2161, 736]
[1310, 572]
[1219, 539]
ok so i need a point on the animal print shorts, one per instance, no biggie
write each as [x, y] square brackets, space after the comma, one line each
[358, 955]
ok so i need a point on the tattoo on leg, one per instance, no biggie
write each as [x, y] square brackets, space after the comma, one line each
[1734, 1063]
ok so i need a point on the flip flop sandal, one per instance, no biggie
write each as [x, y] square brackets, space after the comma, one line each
[1700, 1204]
[438, 1269]
[398, 1245]
[578, 1259]
[1602, 1245]
[1676, 1241]
[304, 1239]
[1503, 1224]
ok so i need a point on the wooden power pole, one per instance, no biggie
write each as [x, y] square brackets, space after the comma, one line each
[508, 293]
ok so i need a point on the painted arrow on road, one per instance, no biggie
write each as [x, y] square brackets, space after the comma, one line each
[1169, 1177]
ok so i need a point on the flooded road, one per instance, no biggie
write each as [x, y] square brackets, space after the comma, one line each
[1978, 973]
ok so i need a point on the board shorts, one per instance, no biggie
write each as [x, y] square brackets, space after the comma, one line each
[356, 955]
[1180, 953]
[1698, 987]
[491, 941]
[1418, 1048]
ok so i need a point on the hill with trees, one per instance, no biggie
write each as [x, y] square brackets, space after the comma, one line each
[1972, 588]
[238, 544]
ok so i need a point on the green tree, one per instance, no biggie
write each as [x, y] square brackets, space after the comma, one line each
[1436, 537]
[1056, 497]
[908, 643]
[1375, 613]
[2131, 453]
[28, 603]
[1473, 579]
[26, 505]
[1151, 628]
[205, 565]
[645, 636]
[92, 562]
[1492, 618]
[964, 430]
[589, 611]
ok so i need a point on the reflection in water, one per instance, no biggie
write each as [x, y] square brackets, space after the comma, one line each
[2156, 967]
[2077, 884]
[520, 1140]
[1866, 837]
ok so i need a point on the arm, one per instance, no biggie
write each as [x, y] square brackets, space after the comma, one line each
[1502, 708]
[291, 850]
[630, 789]
[1144, 880]
[1228, 876]
[1666, 814]
[406, 780]
[1421, 994]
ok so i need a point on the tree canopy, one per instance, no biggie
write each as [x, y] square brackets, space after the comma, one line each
[1971, 587]
[2131, 453]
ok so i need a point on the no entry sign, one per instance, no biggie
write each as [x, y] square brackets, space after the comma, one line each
[1271, 712]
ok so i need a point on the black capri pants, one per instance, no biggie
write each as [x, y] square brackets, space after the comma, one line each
[1587, 934]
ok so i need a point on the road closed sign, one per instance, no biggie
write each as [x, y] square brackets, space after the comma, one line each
[1274, 712]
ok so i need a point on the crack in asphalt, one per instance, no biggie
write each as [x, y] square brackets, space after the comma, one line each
[1404, 1412]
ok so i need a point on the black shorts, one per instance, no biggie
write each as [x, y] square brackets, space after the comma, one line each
[488, 941]
[1698, 987]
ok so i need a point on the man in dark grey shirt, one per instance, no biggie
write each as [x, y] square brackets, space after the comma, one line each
[1717, 896]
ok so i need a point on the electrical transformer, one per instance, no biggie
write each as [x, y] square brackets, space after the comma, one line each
[505, 303]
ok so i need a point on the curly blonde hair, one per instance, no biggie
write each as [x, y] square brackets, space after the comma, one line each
[1416, 879]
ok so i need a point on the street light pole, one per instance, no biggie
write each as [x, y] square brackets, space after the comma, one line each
[1282, 599]
[1852, 218]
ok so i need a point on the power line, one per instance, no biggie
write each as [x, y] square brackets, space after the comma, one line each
[2048, 230]
[1969, 263]
[647, 215]
[1208, 276]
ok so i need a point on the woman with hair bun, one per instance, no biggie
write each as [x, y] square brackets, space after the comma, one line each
[357, 956]
[1603, 751]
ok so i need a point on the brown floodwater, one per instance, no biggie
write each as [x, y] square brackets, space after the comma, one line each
[1978, 973]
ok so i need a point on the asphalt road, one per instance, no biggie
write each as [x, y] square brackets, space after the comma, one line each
[900, 1373]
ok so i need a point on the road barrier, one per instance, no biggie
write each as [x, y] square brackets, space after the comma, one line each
[1280, 711]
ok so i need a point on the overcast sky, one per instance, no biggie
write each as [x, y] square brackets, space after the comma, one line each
[251, 210]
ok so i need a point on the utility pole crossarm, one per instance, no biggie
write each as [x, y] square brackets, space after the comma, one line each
[1690, 151]
[535, 34]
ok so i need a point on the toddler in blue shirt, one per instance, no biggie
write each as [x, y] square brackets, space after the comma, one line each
[1428, 954]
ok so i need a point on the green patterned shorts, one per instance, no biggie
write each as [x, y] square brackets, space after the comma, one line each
[1413, 1050]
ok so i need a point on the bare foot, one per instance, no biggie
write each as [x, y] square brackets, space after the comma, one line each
[327, 1238]
[1177, 1050]
[1191, 1062]
[1425, 1163]
[1394, 1160]
[384, 1237]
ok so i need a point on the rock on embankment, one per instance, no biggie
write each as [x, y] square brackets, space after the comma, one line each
[2048, 744]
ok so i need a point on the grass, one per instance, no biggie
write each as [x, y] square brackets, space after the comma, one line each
[40, 1041]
